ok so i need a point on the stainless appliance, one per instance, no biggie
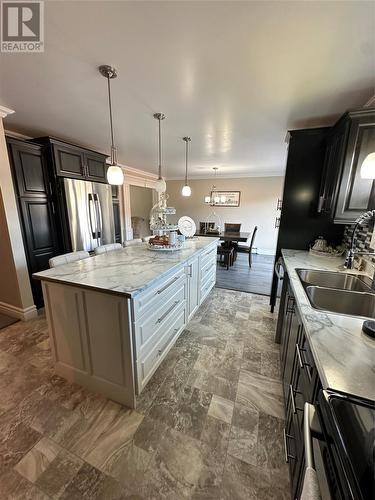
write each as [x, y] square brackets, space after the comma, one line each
[341, 446]
[90, 214]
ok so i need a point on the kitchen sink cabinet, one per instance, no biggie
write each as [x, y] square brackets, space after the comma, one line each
[300, 384]
[344, 194]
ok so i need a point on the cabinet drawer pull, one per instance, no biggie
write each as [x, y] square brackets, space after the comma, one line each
[210, 251]
[290, 305]
[167, 285]
[160, 351]
[168, 311]
[287, 454]
[291, 391]
[301, 363]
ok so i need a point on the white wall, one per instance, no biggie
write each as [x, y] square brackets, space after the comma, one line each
[257, 205]
[15, 291]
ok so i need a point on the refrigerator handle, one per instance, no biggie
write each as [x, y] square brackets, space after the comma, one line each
[91, 212]
[98, 216]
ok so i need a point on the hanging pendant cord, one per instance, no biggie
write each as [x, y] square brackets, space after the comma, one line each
[113, 149]
[159, 149]
[186, 162]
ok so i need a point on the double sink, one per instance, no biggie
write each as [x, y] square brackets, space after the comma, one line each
[339, 293]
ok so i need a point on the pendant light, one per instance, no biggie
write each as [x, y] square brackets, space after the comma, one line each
[115, 174]
[368, 167]
[160, 185]
[186, 190]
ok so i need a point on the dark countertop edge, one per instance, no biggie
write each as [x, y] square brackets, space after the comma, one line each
[129, 294]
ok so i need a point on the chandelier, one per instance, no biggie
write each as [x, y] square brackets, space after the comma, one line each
[214, 198]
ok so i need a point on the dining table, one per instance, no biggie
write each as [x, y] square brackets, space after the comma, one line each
[226, 235]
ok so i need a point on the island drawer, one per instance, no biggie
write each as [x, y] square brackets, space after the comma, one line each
[208, 255]
[151, 299]
[208, 266]
[207, 274]
[207, 285]
[148, 363]
[152, 325]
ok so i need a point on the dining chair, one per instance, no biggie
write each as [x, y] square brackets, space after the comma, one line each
[67, 258]
[232, 228]
[132, 243]
[203, 226]
[110, 247]
[248, 246]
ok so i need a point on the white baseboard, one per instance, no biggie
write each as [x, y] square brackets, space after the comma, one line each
[17, 312]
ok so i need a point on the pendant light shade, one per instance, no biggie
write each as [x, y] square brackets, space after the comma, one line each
[186, 190]
[368, 167]
[115, 174]
[160, 185]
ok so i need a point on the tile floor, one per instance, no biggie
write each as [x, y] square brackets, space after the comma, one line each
[207, 426]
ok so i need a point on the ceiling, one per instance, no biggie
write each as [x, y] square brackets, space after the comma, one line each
[232, 75]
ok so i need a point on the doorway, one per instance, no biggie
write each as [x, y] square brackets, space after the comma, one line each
[141, 203]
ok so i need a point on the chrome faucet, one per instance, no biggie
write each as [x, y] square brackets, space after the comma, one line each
[364, 218]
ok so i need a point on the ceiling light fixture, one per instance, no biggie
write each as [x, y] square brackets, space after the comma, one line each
[115, 174]
[186, 190]
[160, 185]
[214, 198]
[368, 167]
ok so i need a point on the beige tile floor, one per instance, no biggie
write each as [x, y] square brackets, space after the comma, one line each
[208, 425]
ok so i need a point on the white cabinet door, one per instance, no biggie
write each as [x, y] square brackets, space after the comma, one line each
[193, 279]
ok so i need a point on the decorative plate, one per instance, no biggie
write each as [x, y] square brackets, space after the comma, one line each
[187, 226]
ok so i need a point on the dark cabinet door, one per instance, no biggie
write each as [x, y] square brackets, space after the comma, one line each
[355, 194]
[290, 356]
[29, 170]
[40, 237]
[36, 209]
[96, 168]
[69, 161]
[334, 158]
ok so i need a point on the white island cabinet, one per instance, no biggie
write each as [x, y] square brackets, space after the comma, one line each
[113, 318]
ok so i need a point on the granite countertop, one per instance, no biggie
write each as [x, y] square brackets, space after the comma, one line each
[123, 272]
[344, 355]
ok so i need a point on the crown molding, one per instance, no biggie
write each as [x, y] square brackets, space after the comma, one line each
[4, 112]
[370, 102]
[228, 176]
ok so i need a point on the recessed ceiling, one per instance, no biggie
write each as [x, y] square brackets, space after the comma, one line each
[232, 75]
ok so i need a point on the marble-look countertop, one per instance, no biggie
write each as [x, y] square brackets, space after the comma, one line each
[124, 272]
[344, 355]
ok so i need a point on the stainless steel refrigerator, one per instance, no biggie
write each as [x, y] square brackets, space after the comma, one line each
[90, 213]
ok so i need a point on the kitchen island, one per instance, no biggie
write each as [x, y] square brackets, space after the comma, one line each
[113, 318]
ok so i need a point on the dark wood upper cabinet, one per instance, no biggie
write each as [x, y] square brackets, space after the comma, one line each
[96, 168]
[344, 194]
[69, 161]
[29, 169]
[74, 161]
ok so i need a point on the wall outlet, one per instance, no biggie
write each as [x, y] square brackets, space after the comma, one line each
[372, 242]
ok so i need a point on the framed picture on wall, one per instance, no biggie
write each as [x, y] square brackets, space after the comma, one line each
[227, 198]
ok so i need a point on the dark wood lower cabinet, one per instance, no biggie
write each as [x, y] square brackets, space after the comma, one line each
[300, 384]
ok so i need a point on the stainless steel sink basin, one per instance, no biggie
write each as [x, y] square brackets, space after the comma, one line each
[329, 279]
[342, 301]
